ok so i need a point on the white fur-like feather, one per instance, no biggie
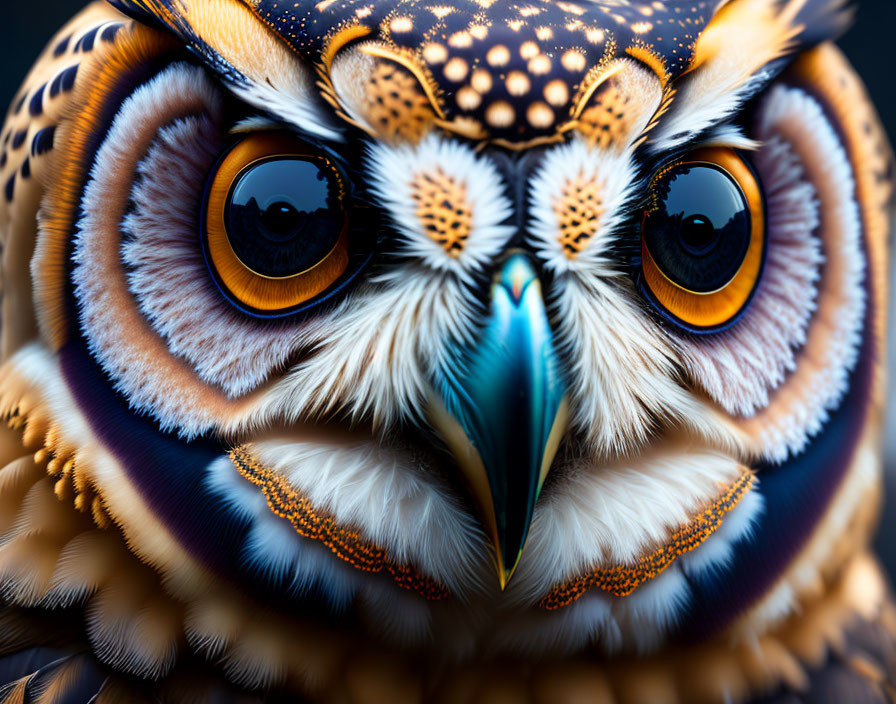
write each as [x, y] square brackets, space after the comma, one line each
[577, 162]
[740, 367]
[135, 374]
[275, 550]
[168, 275]
[393, 171]
[607, 515]
[737, 48]
[393, 501]
[800, 407]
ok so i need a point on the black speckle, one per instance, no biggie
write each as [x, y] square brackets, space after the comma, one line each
[43, 141]
[64, 81]
[110, 32]
[19, 138]
[19, 103]
[10, 188]
[85, 43]
[36, 106]
[26, 168]
[3, 160]
[62, 46]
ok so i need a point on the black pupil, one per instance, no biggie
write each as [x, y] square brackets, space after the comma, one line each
[282, 220]
[698, 234]
[285, 215]
[699, 226]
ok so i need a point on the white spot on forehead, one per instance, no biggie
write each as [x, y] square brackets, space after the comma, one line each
[482, 80]
[402, 24]
[540, 65]
[517, 83]
[556, 93]
[442, 11]
[574, 178]
[461, 40]
[529, 50]
[573, 60]
[434, 53]
[468, 98]
[540, 115]
[500, 114]
[456, 69]
[479, 31]
[498, 55]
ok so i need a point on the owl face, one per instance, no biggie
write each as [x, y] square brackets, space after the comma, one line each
[487, 328]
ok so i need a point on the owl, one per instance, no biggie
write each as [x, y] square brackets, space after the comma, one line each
[489, 351]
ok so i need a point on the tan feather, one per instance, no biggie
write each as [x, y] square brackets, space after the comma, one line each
[16, 478]
[52, 688]
[117, 691]
[15, 692]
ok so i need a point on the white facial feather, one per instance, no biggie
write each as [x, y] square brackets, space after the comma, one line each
[373, 356]
[740, 367]
[168, 275]
[394, 501]
[800, 407]
[104, 313]
[393, 173]
[637, 623]
[623, 369]
[598, 516]
[274, 549]
[259, 69]
[570, 166]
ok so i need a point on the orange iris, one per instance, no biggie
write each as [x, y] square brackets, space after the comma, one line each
[681, 260]
[276, 225]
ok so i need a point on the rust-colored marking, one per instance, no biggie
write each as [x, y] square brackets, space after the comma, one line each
[443, 209]
[622, 580]
[346, 543]
[579, 210]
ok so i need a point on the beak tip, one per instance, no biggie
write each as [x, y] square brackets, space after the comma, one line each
[505, 573]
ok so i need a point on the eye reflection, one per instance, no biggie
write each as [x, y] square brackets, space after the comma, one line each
[698, 227]
[277, 237]
[703, 240]
[285, 215]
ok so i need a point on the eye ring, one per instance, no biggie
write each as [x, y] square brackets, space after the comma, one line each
[725, 282]
[285, 281]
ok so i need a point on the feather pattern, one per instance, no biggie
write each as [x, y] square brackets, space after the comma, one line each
[54, 684]
[137, 563]
[17, 692]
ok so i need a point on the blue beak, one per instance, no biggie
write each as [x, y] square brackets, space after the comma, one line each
[502, 409]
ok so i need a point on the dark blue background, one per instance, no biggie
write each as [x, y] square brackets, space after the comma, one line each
[26, 25]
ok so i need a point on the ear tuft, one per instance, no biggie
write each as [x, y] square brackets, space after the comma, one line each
[824, 20]
[144, 11]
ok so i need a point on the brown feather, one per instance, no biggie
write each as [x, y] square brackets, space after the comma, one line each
[15, 692]
[57, 683]
[118, 691]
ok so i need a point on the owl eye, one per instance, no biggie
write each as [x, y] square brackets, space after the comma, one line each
[276, 224]
[703, 239]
